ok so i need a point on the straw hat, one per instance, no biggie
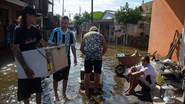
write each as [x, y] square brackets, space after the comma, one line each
[93, 28]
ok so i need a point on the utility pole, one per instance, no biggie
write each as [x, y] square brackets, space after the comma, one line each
[63, 9]
[79, 10]
[70, 15]
[143, 22]
[91, 12]
[52, 16]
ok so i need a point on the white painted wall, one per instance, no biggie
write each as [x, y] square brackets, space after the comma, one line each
[108, 16]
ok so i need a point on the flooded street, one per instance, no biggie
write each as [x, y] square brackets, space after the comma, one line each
[113, 86]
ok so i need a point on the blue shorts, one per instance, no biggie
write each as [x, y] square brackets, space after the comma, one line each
[95, 65]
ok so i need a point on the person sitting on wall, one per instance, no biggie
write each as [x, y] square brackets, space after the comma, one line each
[143, 74]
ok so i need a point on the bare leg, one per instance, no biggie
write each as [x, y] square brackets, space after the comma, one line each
[38, 98]
[96, 82]
[131, 83]
[135, 83]
[26, 101]
[64, 87]
[55, 85]
[87, 82]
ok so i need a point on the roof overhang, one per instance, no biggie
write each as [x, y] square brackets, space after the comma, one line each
[103, 20]
[17, 2]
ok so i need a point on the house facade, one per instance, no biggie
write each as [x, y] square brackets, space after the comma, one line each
[124, 31]
[147, 7]
[167, 18]
[11, 9]
[108, 14]
[115, 33]
[105, 25]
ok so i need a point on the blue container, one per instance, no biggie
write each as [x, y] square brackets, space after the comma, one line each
[121, 55]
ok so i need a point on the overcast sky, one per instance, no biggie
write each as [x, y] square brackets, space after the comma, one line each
[72, 6]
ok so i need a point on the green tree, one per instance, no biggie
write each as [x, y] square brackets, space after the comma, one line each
[86, 17]
[128, 15]
[58, 15]
[38, 20]
[148, 15]
[79, 19]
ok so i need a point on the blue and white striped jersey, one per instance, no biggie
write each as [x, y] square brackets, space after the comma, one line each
[60, 38]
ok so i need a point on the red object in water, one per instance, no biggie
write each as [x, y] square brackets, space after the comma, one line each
[129, 60]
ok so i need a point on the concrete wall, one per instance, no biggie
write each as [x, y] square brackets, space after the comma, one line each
[133, 29]
[167, 17]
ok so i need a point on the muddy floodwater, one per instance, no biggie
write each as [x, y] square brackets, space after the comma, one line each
[113, 86]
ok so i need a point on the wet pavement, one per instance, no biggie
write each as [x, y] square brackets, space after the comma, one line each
[113, 86]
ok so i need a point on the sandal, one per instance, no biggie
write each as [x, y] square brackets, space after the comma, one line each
[130, 93]
[83, 92]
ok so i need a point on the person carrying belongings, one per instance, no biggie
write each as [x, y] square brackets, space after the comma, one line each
[63, 36]
[26, 37]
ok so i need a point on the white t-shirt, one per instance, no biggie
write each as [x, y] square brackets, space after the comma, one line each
[149, 70]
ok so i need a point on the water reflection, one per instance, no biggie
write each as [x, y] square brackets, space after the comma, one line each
[113, 86]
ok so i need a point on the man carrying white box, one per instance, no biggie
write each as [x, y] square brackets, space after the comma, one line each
[63, 36]
[26, 36]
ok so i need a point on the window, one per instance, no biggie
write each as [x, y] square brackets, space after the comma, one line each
[3, 13]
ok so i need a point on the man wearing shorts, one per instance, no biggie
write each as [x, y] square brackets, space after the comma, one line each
[144, 75]
[91, 48]
[63, 36]
[26, 36]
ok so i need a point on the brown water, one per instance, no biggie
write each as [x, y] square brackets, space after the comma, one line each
[113, 86]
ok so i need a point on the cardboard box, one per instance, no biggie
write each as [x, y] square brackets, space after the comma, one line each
[82, 75]
[44, 61]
